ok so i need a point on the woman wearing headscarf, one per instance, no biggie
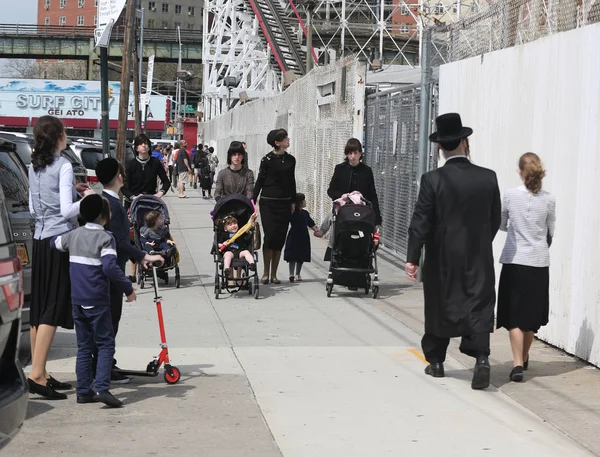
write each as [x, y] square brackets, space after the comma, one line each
[276, 186]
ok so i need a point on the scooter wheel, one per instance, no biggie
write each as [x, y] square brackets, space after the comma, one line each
[174, 378]
[141, 282]
[177, 282]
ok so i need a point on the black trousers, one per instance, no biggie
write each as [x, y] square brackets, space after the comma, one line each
[434, 347]
[116, 307]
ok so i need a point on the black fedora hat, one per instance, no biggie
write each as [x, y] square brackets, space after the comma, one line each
[449, 128]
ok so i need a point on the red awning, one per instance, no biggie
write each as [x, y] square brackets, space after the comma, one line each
[11, 121]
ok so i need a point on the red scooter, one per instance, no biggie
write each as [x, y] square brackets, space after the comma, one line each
[172, 374]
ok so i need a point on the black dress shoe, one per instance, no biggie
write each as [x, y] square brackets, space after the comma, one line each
[516, 375]
[45, 391]
[86, 399]
[108, 399]
[435, 369]
[57, 385]
[481, 375]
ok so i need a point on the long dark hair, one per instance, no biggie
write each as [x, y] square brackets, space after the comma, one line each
[142, 139]
[298, 201]
[47, 132]
[276, 135]
[353, 145]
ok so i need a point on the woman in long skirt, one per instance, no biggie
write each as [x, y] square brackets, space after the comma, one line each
[276, 186]
[528, 215]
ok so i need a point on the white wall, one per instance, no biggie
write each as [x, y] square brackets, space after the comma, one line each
[544, 97]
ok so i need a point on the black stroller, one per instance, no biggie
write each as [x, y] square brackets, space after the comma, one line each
[139, 208]
[242, 209]
[353, 257]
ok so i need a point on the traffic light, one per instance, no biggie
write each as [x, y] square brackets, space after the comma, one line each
[110, 92]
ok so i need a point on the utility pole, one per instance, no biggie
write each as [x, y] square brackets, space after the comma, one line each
[125, 81]
[104, 100]
[309, 57]
[179, 72]
[136, 96]
[140, 53]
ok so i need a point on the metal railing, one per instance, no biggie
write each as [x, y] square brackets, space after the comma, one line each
[59, 31]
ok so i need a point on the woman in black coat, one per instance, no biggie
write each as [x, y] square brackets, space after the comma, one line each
[353, 175]
[277, 182]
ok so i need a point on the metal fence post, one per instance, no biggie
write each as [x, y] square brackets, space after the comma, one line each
[425, 104]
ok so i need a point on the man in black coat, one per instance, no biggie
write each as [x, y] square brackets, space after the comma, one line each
[456, 217]
[110, 174]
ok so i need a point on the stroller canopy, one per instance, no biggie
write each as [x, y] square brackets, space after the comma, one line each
[236, 205]
[355, 218]
[145, 203]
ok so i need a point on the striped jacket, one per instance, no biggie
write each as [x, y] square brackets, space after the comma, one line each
[93, 258]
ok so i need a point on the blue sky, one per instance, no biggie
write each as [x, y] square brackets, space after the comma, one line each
[20, 12]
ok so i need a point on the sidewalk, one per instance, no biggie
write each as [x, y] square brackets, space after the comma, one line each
[297, 374]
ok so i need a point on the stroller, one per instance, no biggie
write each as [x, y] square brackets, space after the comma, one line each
[353, 257]
[242, 208]
[139, 208]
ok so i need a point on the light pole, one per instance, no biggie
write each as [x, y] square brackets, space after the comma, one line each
[230, 82]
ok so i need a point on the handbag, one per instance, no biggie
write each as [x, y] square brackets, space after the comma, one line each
[257, 237]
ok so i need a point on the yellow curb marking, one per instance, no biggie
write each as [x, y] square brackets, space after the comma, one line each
[418, 354]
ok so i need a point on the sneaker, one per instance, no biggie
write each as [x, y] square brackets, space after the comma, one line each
[252, 267]
[226, 272]
[116, 377]
[108, 399]
[298, 278]
[195, 186]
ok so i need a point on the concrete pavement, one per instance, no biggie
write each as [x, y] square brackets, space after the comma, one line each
[296, 374]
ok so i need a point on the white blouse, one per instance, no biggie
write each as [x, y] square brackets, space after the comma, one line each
[528, 219]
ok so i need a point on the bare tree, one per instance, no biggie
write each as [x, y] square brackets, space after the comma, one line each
[20, 68]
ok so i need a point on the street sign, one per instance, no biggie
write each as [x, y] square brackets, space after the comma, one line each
[108, 13]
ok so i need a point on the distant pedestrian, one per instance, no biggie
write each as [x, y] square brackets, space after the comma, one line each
[93, 259]
[276, 187]
[528, 215]
[456, 217]
[195, 157]
[213, 162]
[297, 244]
[184, 168]
[157, 153]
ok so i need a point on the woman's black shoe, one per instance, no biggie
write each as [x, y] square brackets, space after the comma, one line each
[526, 364]
[45, 391]
[516, 375]
[57, 385]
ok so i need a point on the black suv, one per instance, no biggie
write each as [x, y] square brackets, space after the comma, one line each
[24, 143]
[15, 186]
[13, 391]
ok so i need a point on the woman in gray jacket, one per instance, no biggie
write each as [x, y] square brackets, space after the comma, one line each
[53, 202]
[235, 179]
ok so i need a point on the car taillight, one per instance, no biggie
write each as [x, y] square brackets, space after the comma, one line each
[11, 283]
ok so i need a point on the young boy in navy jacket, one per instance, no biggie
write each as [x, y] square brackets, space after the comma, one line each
[110, 173]
[93, 257]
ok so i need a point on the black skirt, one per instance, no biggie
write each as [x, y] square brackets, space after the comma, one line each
[275, 216]
[523, 297]
[50, 286]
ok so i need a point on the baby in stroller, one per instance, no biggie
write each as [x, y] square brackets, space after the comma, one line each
[238, 249]
[154, 235]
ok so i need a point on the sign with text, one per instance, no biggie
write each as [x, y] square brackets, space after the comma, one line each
[67, 99]
[108, 13]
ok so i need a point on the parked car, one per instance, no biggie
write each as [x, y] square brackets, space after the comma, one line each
[15, 186]
[90, 152]
[25, 143]
[13, 390]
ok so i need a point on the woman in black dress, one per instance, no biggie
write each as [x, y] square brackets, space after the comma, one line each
[277, 183]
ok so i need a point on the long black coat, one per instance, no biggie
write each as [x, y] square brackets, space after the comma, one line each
[347, 178]
[456, 217]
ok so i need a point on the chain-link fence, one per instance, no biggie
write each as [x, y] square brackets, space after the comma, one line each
[320, 111]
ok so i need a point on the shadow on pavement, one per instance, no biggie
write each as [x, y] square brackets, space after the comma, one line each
[37, 406]
[500, 373]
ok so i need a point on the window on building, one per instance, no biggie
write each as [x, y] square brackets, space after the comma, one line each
[47, 21]
[63, 4]
[95, 3]
[191, 10]
[47, 4]
[165, 24]
[80, 20]
[152, 6]
[455, 8]
[404, 28]
[95, 20]
[62, 20]
[177, 24]
[165, 7]
[404, 10]
[150, 24]
[80, 3]
[439, 8]
[177, 9]
[190, 26]
[138, 21]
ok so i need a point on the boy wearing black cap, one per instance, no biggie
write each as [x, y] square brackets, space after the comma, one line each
[93, 259]
[111, 175]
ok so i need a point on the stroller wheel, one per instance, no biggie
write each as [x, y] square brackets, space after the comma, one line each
[329, 289]
[177, 281]
[217, 286]
[250, 288]
[166, 277]
[141, 282]
[256, 291]
[375, 291]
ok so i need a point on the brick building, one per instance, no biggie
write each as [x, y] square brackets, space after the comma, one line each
[158, 14]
